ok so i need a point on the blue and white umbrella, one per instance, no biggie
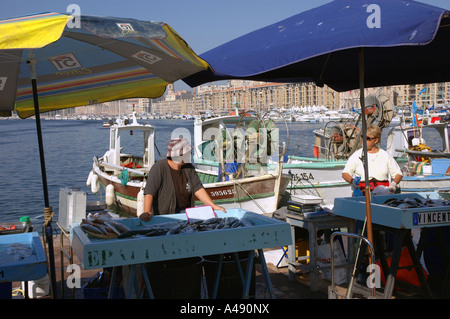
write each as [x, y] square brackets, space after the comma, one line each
[345, 44]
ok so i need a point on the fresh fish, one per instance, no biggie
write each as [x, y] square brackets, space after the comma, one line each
[112, 227]
[117, 227]
[244, 222]
[91, 228]
[173, 228]
[415, 202]
[101, 226]
[19, 251]
[235, 222]
[212, 220]
[157, 232]
[189, 228]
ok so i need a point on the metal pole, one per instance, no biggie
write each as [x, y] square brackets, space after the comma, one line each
[48, 228]
[364, 143]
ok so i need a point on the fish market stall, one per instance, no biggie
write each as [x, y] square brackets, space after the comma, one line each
[398, 215]
[171, 237]
[22, 257]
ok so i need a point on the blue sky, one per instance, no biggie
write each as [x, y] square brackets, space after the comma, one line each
[204, 24]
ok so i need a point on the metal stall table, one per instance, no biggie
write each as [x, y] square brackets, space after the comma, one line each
[313, 225]
[399, 222]
[22, 257]
[136, 251]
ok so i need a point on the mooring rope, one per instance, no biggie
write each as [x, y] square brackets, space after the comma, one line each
[48, 216]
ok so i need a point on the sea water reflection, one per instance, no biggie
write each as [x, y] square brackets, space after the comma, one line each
[69, 147]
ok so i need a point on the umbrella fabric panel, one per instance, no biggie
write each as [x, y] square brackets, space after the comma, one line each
[101, 60]
[311, 37]
[155, 87]
[32, 31]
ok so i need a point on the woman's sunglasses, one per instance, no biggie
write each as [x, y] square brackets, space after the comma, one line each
[370, 138]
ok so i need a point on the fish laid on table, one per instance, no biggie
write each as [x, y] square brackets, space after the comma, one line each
[102, 226]
[19, 251]
[413, 202]
[184, 227]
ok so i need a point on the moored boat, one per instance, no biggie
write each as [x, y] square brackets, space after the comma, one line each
[124, 176]
[232, 155]
[427, 169]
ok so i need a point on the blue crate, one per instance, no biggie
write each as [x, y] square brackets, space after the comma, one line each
[26, 269]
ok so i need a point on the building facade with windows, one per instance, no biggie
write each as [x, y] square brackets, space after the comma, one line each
[264, 96]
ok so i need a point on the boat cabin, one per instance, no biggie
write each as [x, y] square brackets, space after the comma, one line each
[139, 161]
[235, 144]
[233, 138]
[436, 136]
[426, 148]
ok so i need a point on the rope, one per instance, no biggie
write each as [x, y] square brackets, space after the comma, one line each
[236, 183]
[48, 216]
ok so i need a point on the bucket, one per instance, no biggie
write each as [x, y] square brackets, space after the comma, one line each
[301, 250]
[176, 279]
[230, 285]
[37, 288]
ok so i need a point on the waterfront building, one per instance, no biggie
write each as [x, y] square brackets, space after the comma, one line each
[225, 96]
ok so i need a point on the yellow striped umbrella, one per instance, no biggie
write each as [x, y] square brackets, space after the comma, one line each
[52, 61]
[84, 60]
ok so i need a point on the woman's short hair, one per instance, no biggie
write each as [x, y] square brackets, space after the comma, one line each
[374, 130]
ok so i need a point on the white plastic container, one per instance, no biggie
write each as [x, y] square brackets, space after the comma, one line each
[37, 288]
[72, 206]
[307, 199]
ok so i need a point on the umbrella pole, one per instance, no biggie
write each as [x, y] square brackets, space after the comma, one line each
[364, 144]
[47, 209]
[365, 163]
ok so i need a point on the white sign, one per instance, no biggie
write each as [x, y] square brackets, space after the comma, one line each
[125, 26]
[146, 57]
[65, 62]
[200, 213]
[431, 218]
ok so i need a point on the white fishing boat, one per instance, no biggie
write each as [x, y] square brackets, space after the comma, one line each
[317, 177]
[123, 175]
[306, 118]
[426, 148]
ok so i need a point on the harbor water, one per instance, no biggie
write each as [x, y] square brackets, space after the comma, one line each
[69, 148]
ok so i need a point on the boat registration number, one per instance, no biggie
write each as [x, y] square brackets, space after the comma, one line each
[225, 192]
[302, 177]
[429, 218]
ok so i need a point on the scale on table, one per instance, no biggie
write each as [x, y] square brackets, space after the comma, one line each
[304, 204]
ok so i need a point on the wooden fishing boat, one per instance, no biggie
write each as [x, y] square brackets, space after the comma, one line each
[426, 150]
[123, 176]
[232, 154]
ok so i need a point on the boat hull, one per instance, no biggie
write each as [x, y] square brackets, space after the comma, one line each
[316, 177]
[424, 183]
[257, 194]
